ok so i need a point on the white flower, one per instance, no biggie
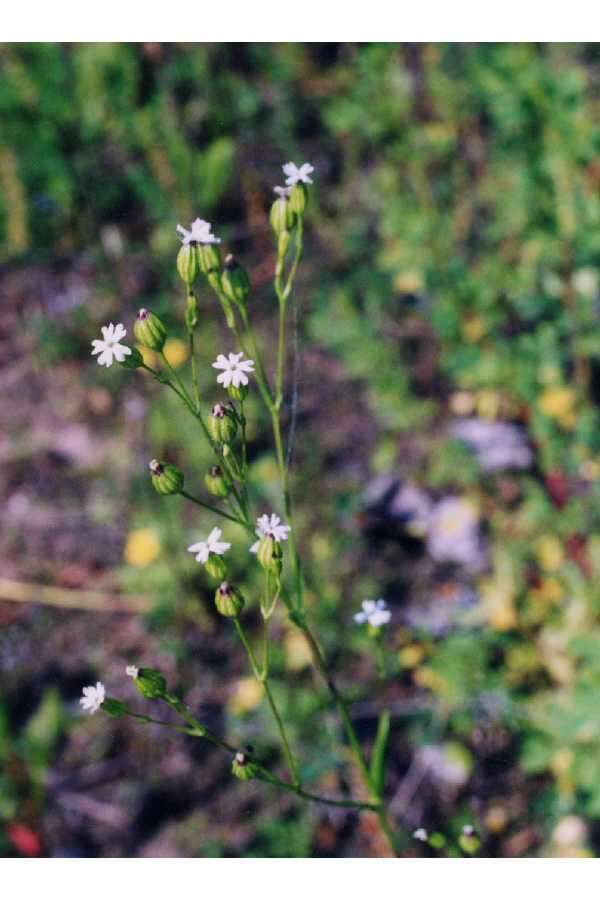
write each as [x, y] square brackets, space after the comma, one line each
[294, 174]
[93, 697]
[200, 233]
[132, 671]
[270, 526]
[234, 369]
[283, 192]
[420, 834]
[109, 348]
[212, 544]
[375, 612]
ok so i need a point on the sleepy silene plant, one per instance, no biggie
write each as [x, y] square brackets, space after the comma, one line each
[271, 536]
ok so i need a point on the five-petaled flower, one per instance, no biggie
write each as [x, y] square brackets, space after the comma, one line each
[93, 697]
[270, 526]
[420, 834]
[212, 544]
[375, 612]
[132, 671]
[294, 174]
[199, 233]
[234, 369]
[109, 347]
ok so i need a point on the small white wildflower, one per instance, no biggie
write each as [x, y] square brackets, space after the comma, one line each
[270, 526]
[234, 369]
[132, 671]
[109, 347]
[294, 174]
[283, 192]
[420, 834]
[375, 612]
[93, 697]
[212, 544]
[200, 233]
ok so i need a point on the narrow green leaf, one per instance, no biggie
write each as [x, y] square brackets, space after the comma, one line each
[378, 755]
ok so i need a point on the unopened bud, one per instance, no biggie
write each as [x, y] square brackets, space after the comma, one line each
[188, 265]
[221, 424]
[216, 482]
[134, 360]
[166, 478]
[469, 840]
[209, 258]
[151, 684]
[298, 198]
[269, 553]
[149, 330]
[215, 566]
[281, 216]
[228, 600]
[242, 767]
[238, 393]
[235, 283]
[283, 242]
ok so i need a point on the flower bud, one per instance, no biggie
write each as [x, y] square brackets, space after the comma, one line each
[149, 330]
[151, 684]
[216, 483]
[134, 360]
[191, 312]
[188, 265]
[235, 283]
[269, 553]
[242, 767]
[238, 393]
[232, 462]
[228, 600]
[166, 479]
[215, 566]
[283, 242]
[209, 258]
[298, 198]
[113, 707]
[281, 216]
[221, 424]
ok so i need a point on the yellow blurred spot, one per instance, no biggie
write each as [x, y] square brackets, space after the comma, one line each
[549, 591]
[462, 403]
[558, 403]
[589, 469]
[408, 282]
[149, 356]
[427, 678]
[297, 654]
[496, 819]
[247, 694]
[488, 404]
[549, 552]
[473, 329]
[411, 656]
[142, 547]
[561, 761]
[176, 351]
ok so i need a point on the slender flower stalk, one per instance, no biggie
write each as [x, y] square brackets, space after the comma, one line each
[225, 430]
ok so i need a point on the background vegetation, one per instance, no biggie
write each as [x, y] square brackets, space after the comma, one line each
[447, 455]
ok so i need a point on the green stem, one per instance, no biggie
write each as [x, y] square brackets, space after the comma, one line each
[195, 382]
[262, 677]
[213, 509]
[178, 381]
